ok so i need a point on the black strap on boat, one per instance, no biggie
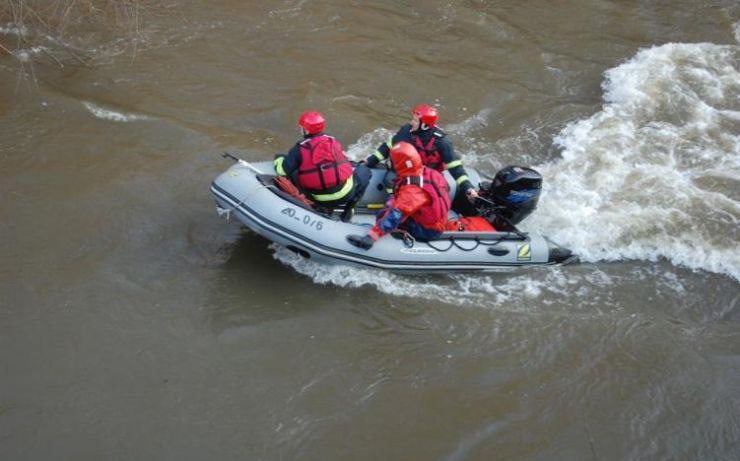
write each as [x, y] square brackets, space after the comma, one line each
[456, 243]
[453, 243]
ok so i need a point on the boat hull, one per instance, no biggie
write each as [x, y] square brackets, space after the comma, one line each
[245, 192]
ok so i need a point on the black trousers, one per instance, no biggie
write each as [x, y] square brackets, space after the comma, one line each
[361, 179]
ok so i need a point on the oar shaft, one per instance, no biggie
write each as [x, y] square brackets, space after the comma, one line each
[243, 162]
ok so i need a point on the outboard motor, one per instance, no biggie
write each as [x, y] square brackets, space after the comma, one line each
[514, 193]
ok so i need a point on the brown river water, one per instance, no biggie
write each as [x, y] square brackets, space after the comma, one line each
[137, 325]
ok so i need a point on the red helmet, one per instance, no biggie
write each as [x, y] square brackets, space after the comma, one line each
[406, 159]
[312, 122]
[427, 114]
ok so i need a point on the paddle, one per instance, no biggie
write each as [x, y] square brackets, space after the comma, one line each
[242, 162]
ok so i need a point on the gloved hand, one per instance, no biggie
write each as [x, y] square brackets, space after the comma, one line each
[472, 195]
[361, 241]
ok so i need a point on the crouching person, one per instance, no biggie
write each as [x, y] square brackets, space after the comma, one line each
[420, 201]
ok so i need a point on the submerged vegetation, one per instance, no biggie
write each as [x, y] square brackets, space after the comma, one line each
[72, 32]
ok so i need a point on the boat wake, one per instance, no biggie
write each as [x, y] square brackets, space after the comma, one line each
[107, 114]
[654, 175]
[455, 289]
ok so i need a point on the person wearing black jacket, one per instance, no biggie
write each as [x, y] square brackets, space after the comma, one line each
[436, 152]
[318, 166]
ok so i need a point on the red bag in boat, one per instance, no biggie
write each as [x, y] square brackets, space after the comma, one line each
[470, 224]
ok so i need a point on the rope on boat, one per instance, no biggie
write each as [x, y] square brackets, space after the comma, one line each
[409, 241]
[223, 212]
[454, 243]
[407, 238]
[227, 211]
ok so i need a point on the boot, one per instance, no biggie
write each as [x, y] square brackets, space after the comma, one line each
[349, 211]
[326, 211]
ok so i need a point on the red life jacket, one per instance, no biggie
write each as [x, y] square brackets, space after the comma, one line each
[323, 164]
[430, 156]
[434, 215]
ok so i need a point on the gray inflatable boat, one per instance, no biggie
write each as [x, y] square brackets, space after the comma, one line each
[246, 191]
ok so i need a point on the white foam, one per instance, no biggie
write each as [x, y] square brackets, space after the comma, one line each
[462, 129]
[367, 144]
[107, 114]
[511, 291]
[291, 11]
[628, 183]
[653, 175]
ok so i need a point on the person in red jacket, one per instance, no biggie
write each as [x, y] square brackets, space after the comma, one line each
[436, 152]
[420, 201]
[318, 166]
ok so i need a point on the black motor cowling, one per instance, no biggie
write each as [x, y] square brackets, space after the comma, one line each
[515, 191]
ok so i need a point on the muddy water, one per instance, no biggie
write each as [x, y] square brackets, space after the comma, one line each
[134, 324]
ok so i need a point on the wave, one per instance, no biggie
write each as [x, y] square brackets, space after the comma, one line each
[107, 114]
[655, 174]
[506, 289]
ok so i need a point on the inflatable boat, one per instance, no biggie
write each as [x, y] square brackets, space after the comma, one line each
[248, 192]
